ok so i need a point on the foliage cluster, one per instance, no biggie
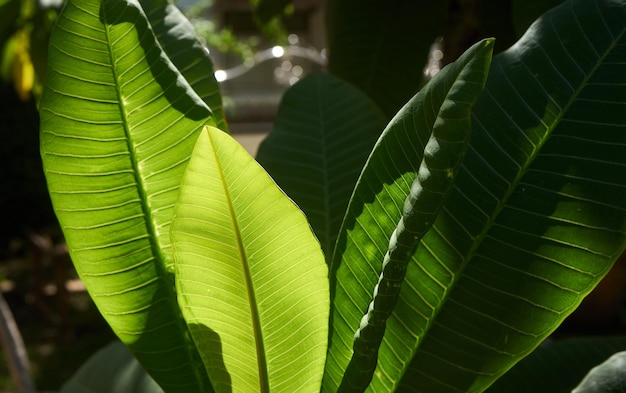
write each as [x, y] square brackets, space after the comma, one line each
[430, 241]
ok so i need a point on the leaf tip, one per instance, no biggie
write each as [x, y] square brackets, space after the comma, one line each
[489, 42]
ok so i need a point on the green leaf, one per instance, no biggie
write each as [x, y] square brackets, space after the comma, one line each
[557, 366]
[378, 200]
[323, 133]
[382, 47]
[441, 160]
[535, 220]
[111, 369]
[608, 377]
[177, 37]
[537, 217]
[251, 277]
[118, 124]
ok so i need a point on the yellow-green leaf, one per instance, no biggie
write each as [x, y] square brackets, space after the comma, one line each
[250, 275]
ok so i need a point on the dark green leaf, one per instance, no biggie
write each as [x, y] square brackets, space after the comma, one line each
[382, 47]
[324, 131]
[441, 160]
[177, 37]
[111, 369]
[537, 217]
[377, 203]
[535, 220]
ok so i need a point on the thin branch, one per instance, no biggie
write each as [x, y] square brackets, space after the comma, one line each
[14, 349]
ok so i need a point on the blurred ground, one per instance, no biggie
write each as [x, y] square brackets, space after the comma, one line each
[60, 325]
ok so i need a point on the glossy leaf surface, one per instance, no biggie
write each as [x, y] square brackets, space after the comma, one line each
[379, 198]
[118, 123]
[324, 131]
[537, 214]
[441, 160]
[536, 217]
[250, 275]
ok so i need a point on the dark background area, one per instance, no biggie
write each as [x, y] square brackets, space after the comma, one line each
[58, 321]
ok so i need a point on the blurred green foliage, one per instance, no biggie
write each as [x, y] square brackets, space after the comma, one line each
[25, 27]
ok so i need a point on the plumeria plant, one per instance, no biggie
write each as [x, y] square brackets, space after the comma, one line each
[387, 237]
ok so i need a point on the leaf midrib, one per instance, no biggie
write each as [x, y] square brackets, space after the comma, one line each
[512, 185]
[159, 259]
[254, 310]
[524, 168]
[328, 245]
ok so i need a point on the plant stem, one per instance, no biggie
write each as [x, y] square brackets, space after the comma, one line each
[14, 349]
